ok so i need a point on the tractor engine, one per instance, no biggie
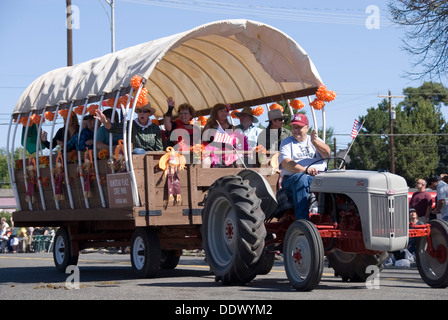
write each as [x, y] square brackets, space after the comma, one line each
[373, 203]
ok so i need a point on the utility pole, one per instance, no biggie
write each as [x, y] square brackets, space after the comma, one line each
[391, 134]
[112, 22]
[68, 9]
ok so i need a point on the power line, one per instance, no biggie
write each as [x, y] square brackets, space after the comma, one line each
[283, 13]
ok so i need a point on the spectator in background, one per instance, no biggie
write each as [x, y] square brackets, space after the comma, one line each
[413, 219]
[442, 196]
[4, 237]
[421, 201]
[432, 184]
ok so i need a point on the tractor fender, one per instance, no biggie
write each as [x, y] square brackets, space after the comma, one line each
[262, 189]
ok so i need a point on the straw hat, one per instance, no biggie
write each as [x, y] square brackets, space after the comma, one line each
[248, 111]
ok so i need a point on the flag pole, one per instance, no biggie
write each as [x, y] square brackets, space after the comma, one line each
[351, 144]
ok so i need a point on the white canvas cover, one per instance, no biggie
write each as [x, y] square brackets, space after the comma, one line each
[239, 62]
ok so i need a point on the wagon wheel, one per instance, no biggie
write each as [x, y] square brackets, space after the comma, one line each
[351, 266]
[433, 266]
[233, 230]
[303, 255]
[62, 252]
[145, 252]
[169, 259]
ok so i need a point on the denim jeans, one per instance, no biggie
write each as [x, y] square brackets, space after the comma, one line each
[298, 185]
[138, 151]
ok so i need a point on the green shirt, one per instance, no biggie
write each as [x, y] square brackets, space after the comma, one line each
[148, 138]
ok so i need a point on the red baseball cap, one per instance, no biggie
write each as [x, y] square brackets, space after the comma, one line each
[300, 119]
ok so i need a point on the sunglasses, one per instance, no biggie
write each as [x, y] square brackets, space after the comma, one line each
[278, 119]
[144, 111]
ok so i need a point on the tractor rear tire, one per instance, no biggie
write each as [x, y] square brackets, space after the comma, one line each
[351, 266]
[233, 230]
[434, 269]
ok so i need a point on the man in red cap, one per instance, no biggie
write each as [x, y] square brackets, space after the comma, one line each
[297, 152]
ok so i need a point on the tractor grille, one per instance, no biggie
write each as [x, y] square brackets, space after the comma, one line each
[389, 216]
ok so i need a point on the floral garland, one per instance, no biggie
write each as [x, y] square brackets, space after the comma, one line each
[202, 120]
[296, 104]
[79, 110]
[258, 111]
[49, 115]
[322, 95]
[92, 109]
[275, 106]
[63, 113]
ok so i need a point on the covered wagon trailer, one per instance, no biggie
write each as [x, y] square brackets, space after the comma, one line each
[236, 62]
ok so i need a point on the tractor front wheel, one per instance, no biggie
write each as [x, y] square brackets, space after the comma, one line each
[303, 255]
[432, 255]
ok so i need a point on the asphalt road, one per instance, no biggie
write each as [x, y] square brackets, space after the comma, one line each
[109, 277]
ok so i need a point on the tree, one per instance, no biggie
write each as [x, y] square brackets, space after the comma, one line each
[427, 38]
[419, 123]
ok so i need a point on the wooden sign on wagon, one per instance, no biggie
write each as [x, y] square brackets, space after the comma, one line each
[119, 190]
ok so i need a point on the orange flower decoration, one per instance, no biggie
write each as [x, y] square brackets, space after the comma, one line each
[276, 106]
[103, 154]
[23, 121]
[296, 104]
[317, 104]
[258, 111]
[203, 120]
[78, 110]
[136, 82]
[49, 115]
[43, 160]
[123, 101]
[92, 109]
[110, 102]
[156, 122]
[35, 118]
[142, 99]
[233, 114]
[63, 113]
[325, 95]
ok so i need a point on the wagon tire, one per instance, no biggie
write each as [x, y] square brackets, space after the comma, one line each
[145, 253]
[169, 259]
[62, 251]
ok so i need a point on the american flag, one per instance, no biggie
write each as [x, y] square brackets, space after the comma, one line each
[222, 137]
[356, 128]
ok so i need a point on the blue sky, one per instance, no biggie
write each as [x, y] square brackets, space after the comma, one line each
[357, 62]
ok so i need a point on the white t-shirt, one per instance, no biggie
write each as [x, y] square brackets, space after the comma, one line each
[302, 152]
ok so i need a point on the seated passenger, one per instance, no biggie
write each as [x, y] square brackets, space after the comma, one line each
[145, 136]
[58, 140]
[181, 131]
[102, 136]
